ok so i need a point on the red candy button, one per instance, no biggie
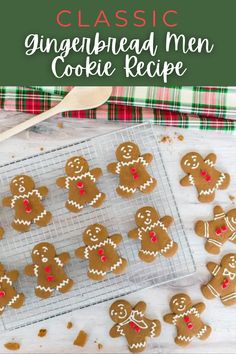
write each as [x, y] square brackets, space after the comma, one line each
[80, 184]
[224, 228]
[203, 173]
[103, 258]
[50, 278]
[132, 325]
[190, 325]
[137, 329]
[28, 210]
[100, 251]
[2, 293]
[133, 170]
[208, 178]
[135, 176]
[47, 269]
[186, 319]
[218, 231]
[152, 233]
[82, 191]
[26, 202]
[225, 283]
[154, 239]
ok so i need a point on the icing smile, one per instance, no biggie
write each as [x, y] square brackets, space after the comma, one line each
[127, 156]
[44, 260]
[94, 238]
[195, 165]
[147, 221]
[233, 263]
[79, 170]
[122, 314]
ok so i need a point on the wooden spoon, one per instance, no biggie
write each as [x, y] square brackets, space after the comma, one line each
[79, 98]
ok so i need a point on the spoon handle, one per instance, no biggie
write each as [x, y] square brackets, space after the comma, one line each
[30, 123]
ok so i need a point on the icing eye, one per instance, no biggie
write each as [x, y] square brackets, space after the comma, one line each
[188, 164]
[36, 252]
[142, 216]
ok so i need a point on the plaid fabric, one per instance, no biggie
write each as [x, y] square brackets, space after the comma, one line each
[35, 101]
[210, 101]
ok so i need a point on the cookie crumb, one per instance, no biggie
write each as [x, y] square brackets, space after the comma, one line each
[42, 332]
[69, 325]
[180, 137]
[12, 346]
[99, 345]
[13, 156]
[81, 339]
[41, 149]
[165, 139]
[232, 198]
[60, 125]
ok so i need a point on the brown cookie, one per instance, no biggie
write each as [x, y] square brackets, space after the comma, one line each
[100, 250]
[81, 184]
[186, 317]
[132, 324]
[202, 174]
[47, 267]
[223, 281]
[219, 230]
[152, 231]
[8, 294]
[131, 168]
[26, 199]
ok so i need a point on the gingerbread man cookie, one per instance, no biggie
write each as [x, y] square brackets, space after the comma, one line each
[131, 168]
[132, 324]
[152, 231]
[202, 174]
[8, 294]
[100, 250]
[223, 281]
[186, 317]
[47, 267]
[26, 199]
[81, 184]
[219, 230]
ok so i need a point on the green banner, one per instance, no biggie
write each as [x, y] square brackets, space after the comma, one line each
[118, 42]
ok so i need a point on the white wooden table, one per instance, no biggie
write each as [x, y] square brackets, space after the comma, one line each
[95, 320]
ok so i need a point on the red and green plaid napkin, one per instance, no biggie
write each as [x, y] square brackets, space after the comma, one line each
[210, 108]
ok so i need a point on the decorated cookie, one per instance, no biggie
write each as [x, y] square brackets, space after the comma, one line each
[219, 230]
[131, 168]
[223, 281]
[153, 234]
[202, 174]
[186, 317]
[8, 294]
[26, 199]
[47, 267]
[131, 323]
[81, 185]
[100, 250]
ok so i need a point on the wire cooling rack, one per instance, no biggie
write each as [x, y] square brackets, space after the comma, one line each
[65, 232]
